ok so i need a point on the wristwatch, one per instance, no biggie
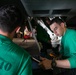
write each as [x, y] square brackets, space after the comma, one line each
[53, 63]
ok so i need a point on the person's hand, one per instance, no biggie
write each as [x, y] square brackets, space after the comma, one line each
[45, 63]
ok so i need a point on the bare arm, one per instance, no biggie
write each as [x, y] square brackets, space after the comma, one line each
[46, 63]
[63, 63]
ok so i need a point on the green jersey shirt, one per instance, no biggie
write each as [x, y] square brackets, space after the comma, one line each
[68, 47]
[13, 59]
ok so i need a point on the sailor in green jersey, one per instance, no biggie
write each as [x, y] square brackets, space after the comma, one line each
[68, 48]
[13, 59]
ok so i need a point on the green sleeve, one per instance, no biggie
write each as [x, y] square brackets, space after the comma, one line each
[68, 48]
[72, 61]
[72, 51]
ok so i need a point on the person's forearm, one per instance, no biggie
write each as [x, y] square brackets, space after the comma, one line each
[63, 63]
